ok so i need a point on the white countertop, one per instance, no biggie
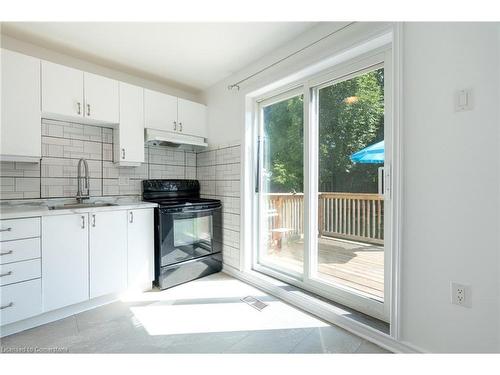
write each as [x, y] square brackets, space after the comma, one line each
[20, 209]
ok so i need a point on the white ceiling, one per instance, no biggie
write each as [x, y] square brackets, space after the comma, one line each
[195, 55]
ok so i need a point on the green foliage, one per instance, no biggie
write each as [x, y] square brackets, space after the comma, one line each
[351, 115]
[284, 144]
[346, 126]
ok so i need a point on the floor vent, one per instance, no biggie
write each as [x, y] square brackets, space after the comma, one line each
[254, 302]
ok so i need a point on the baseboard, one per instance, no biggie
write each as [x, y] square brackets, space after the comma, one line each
[322, 310]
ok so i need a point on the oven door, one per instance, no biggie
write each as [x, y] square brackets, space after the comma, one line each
[186, 235]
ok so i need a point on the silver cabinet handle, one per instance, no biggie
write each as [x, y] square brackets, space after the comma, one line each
[6, 230]
[79, 106]
[88, 109]
[6, 274]
[83, 222]
[131, 217]
[123, 153]
[10, 304]
[93, 220]
[7, 252]
[175, 125]
[180, 126]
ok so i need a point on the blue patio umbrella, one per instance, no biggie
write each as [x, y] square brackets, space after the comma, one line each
[373, 154]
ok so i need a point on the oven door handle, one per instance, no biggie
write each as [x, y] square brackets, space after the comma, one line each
[193, 211]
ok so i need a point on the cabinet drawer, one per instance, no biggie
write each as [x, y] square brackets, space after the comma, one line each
[15, 251]
[16, 229]
[20, 301]
[19, 271]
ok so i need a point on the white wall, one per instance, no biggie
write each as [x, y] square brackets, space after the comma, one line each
[451, 169]
[227, 107]
[85, 65]
[451, 194]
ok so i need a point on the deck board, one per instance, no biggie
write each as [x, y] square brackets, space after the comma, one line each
[354, 264]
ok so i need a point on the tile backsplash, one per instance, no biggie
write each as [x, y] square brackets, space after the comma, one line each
[219, 171]
[64, 143]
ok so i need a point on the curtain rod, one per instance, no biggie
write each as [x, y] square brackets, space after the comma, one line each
[237, 84]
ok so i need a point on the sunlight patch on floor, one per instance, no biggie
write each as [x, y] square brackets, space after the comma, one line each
[217, 287]
[214, 305]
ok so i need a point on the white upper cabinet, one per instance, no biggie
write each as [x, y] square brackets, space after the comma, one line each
[172, 114]
[101, 99]
[192, 118]
[20, 120]
[160, 111]
[62, 91]
[65, 260]
[69, 93]
[108, 252]
[129, 136]
[33, 89]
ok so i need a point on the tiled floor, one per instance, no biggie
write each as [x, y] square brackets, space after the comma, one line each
[204, 316]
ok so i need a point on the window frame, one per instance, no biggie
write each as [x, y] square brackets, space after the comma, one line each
[310, 85]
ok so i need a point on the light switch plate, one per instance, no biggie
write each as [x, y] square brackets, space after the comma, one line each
[463, 100]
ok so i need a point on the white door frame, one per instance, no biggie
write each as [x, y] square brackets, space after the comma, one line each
[308, 278]
[394, 115]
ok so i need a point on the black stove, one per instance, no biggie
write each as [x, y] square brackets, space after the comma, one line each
[188, 231]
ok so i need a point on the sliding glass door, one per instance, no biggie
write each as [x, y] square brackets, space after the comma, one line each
[321, 175]
[351, 154]
[280, 185]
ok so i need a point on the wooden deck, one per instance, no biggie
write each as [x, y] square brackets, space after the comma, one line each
[353, 264]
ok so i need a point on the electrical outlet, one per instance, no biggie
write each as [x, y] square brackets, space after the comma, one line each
[461, 295]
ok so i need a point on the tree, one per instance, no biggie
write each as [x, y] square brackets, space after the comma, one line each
[351, 115]
[284, 144]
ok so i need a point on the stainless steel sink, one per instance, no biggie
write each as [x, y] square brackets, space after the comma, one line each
[81, 205]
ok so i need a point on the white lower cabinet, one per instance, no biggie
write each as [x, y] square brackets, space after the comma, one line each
[83, 256]
[65, 260]
[15, 251]
[108, 252]
[140, 248]
[20, 269]
[20, 301]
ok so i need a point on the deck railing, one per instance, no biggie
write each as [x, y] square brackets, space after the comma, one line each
[355, 216]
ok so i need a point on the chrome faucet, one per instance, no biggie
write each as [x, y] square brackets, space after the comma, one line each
[83, 192]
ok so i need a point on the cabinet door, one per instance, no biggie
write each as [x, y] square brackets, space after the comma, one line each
[20, 121]
[108, 252]
[20, 301]
[62, 90]
[65, 260]
[160, 111]
[101, 99]
[130, 132]
[140, 248]
[192, 118]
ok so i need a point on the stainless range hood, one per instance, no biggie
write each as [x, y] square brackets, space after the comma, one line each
[171, 139]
